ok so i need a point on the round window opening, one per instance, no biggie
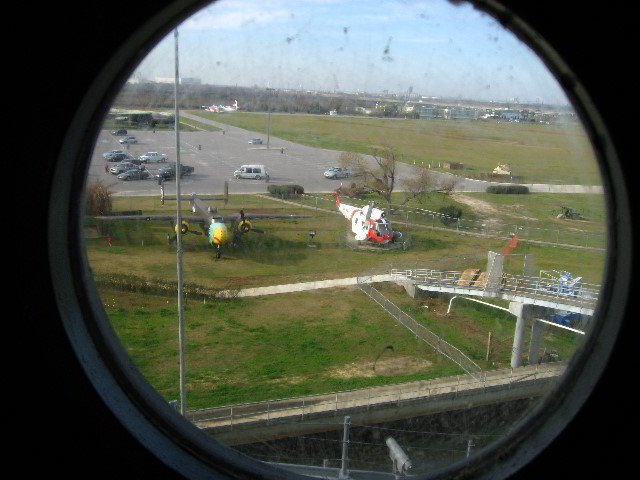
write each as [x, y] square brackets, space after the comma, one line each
[343, 240]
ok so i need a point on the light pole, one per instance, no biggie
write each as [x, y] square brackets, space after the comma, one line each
[183, 394]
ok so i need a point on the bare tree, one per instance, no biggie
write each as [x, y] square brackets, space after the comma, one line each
[448, 185]
[380, 176]
[420, 185]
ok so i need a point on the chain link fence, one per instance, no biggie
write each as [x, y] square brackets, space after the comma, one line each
[435, 220]
[440, 345]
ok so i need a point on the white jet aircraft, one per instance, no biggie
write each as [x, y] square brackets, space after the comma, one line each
[222, 108]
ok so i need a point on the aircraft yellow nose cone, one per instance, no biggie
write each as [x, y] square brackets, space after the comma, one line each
[220, 235]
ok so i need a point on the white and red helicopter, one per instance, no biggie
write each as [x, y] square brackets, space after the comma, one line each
[368, 223]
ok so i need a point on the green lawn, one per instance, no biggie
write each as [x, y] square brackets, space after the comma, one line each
[252, 349]
[249, 349]
[532, 216]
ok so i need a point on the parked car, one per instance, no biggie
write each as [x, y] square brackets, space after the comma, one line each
[110, 153]
[168, 172]
[122, 167]
[118, 157]
[256, 141]
[257, 172]
[120, 131]
[337, 172]
[153, 157]
[129, 139]
[134, 174]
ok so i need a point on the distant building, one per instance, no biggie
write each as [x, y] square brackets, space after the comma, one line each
[510, 115]
[140, 117]
[463, 113]
[136, 80]
[431, 111]
[182, 80]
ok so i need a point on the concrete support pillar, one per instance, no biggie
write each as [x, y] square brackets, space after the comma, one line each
[409, 287]
[526, 313]
[518, 335]
[536, 338]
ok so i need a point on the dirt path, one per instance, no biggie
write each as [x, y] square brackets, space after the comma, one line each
[384, 366]
[486, 209]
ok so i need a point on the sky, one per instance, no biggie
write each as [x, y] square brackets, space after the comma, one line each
[433, 48]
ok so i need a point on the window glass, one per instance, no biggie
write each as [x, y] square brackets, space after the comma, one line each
[311, 344]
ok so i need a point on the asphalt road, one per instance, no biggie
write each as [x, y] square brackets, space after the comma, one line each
[215, 156]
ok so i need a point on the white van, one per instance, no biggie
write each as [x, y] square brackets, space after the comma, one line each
[257, 172]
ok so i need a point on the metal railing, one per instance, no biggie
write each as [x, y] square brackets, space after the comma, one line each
[542, 287]
[440, 345]
[337, 403]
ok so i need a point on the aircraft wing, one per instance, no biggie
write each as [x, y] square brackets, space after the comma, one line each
[156, 218]
[250, 216]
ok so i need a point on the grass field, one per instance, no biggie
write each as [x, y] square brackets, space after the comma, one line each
[282, 254]
[532, 216]
[535, 209]
[249, 349]
[536, 153]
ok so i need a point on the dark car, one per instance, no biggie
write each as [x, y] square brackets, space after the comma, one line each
[134, 174]
[169, 172]
[120, 131]
[122, 167]
[118, 157]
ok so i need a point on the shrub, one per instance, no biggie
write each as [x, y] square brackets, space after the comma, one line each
[508, 189]
[285, 191]
[450, 214]
[98, 199]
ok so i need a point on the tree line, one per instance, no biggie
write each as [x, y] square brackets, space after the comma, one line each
[252, 99]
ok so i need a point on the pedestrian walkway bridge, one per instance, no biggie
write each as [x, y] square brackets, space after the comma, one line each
[544, 290]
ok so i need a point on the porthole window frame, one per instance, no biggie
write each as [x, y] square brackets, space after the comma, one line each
[171, 438]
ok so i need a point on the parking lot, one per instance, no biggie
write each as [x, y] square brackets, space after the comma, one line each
[215, 156]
